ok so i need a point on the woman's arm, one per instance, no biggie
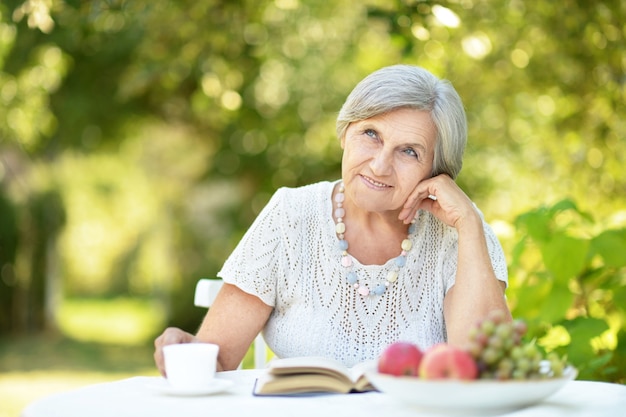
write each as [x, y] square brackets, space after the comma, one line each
[232, 322]
[476, 291]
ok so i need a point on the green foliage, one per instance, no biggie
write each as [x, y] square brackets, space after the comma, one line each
[567, 279]
[166, 125]
[8, 247]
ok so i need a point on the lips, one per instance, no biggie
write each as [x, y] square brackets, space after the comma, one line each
[374, 183]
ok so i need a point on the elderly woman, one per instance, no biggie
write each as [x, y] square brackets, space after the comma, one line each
[394, 250]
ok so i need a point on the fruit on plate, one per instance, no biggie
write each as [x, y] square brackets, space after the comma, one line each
[444, 361]
[400, 358]
[497, 350]
[498, 347]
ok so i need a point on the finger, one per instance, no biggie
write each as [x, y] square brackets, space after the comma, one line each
[406, 214]
[411, 200]
[410, 207]
[160, 361]
[170, 336]
[427, 204]
[158, 354]
[174, 335]
[414, 204]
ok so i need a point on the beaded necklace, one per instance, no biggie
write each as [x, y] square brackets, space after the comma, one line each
[346, 259]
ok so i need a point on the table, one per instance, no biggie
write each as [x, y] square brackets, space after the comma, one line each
[133, 397]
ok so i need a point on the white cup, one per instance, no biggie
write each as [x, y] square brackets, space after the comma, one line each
[190, 365]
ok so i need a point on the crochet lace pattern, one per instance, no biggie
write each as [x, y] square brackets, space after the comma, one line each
[289, 259]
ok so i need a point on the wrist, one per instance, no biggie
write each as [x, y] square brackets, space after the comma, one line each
[471, 223]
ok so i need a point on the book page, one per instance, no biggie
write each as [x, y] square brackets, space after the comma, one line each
[311, 364]
[313, 374]
[357, 374]
[269, 384]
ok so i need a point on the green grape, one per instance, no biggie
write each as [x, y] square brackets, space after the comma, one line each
[517, 352]
[535, 368]
[497, 317]
[490, 355]
[506, 365]
[487, 375]
[482, 338]
[508, 344]
[475, 348]
[520, 327]
[499, 349]
[557, 367]
[523, 364]
[504, 331]
[495, 342]
[519, 374]
[530, 350]
[488, 327]
[503, 374]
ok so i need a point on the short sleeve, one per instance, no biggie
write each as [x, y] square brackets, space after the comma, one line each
[255, 263]
[496, 254]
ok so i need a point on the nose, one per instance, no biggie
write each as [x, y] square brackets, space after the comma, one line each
[381, 163]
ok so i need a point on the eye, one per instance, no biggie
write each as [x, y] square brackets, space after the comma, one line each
[412, 153]
[371, 133]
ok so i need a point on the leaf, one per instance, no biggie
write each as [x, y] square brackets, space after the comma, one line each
[556, 305]
[536, 223]
[539, 222]
[619, 298]
[562, 206]
[582, 330]
[611, 246]
[568, 204]
[518, 249]
[565, 256]
[530, 298]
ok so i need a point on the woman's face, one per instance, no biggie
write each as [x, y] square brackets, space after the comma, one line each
[386, 156]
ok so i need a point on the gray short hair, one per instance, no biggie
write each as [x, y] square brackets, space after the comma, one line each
[407, 86]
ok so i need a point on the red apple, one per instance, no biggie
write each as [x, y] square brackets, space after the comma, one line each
[400, 358]
[444, 361]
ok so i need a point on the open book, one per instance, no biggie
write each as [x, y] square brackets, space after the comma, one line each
[312, 374]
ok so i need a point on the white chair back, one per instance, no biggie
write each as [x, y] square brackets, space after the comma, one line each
[206, 291]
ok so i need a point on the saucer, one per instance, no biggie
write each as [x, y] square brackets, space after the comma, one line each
[163, 387]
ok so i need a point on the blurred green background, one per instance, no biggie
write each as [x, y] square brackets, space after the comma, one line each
[139, 139]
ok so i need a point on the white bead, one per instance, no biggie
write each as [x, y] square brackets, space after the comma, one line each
[392, 276]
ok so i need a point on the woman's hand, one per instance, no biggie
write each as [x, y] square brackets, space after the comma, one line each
[442, 197]
[170, 336]
[476, 290]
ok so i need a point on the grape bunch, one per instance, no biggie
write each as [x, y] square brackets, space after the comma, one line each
[501, 353]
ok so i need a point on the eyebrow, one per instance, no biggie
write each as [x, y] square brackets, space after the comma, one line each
[366, 124]
[415, 145]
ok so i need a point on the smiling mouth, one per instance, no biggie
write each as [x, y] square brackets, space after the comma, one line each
[375, 183]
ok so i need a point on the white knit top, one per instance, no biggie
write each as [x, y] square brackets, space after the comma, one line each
[290, 259]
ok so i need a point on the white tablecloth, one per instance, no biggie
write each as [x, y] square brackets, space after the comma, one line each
[133, 398]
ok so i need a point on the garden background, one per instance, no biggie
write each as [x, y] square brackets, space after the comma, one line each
[139, 139]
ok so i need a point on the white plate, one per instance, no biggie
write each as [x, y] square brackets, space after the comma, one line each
[163, 387]
[469, 396]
